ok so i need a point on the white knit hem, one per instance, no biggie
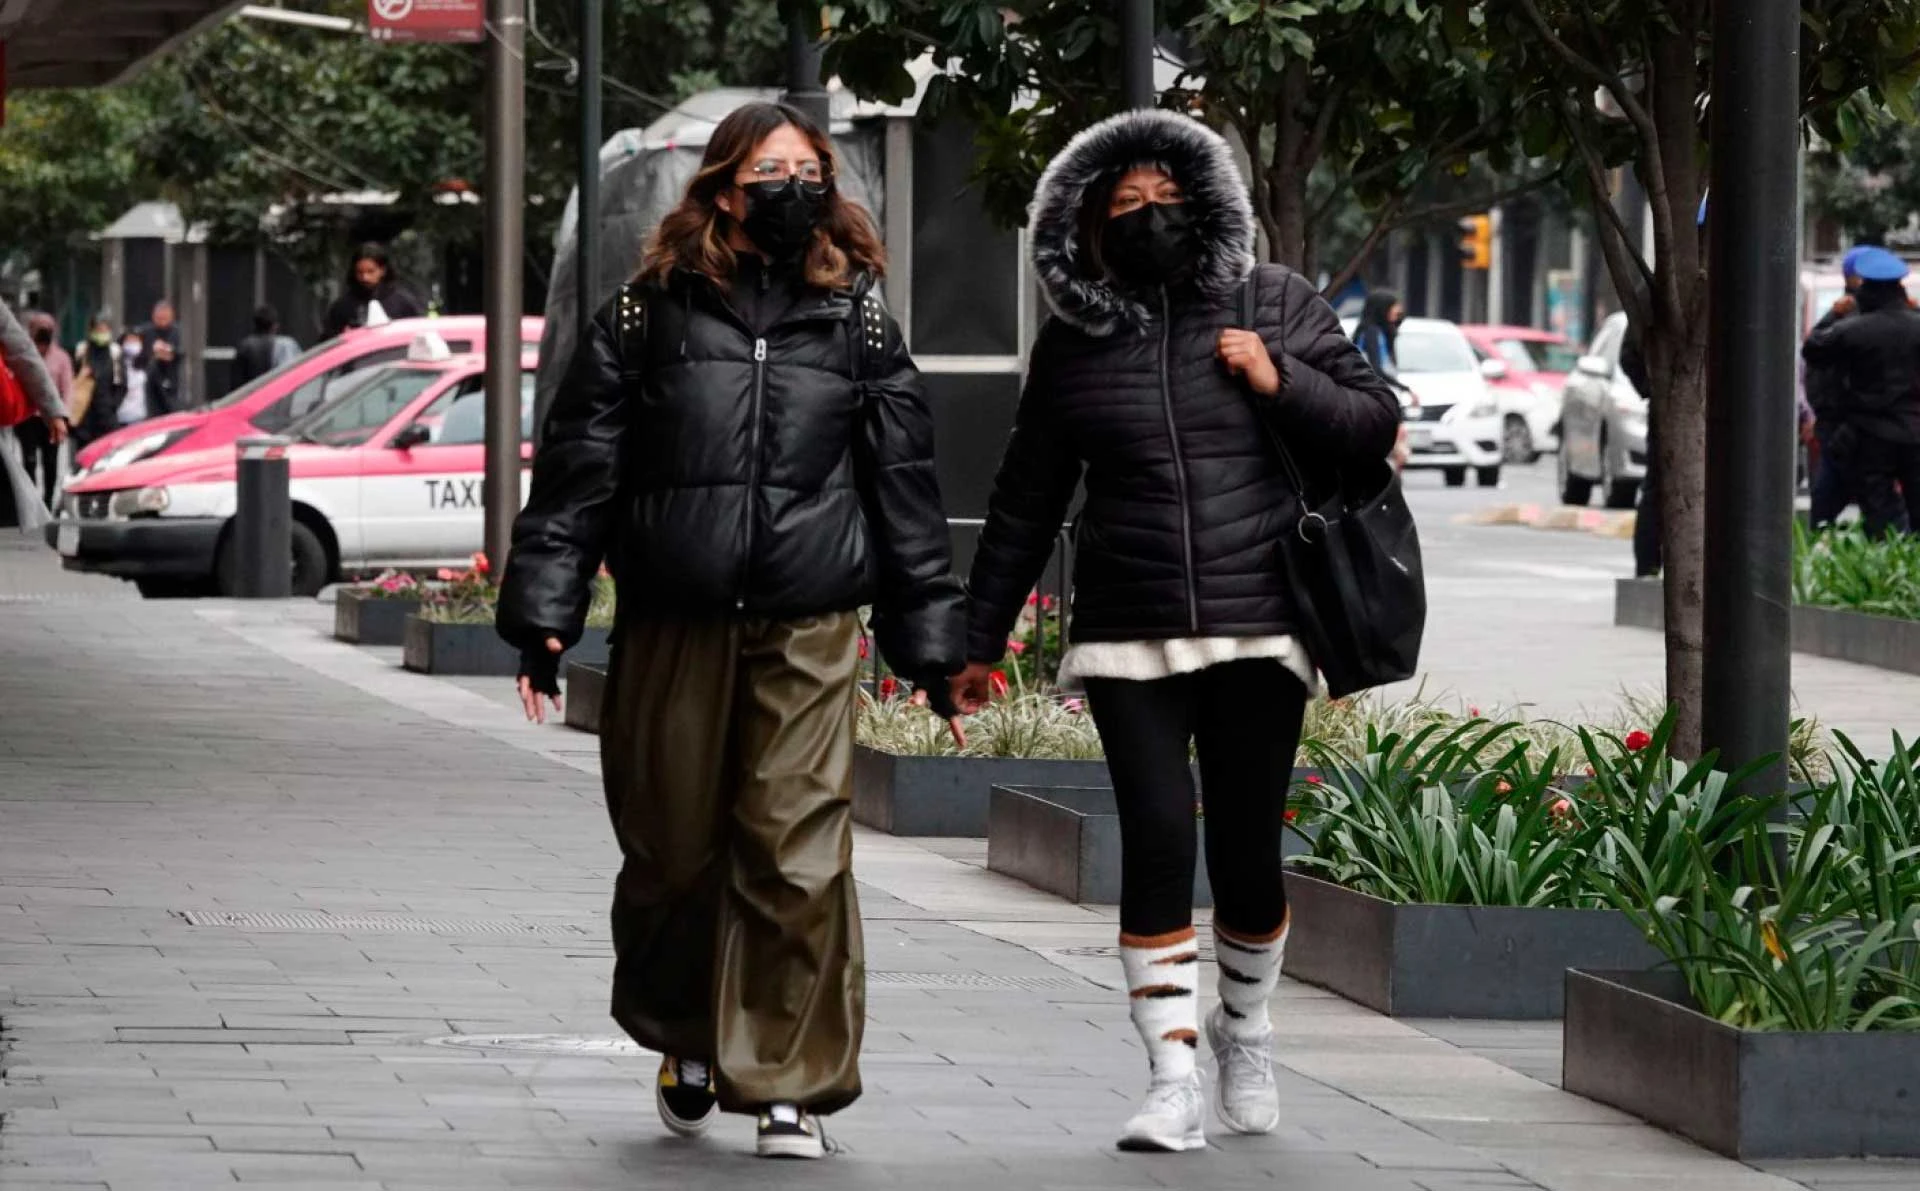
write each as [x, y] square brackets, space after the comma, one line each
[1144, 661]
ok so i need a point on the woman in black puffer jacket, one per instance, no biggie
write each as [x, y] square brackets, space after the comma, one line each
[1146, 384]
[744, 437]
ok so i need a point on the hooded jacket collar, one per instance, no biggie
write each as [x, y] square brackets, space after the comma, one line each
[1203, 164]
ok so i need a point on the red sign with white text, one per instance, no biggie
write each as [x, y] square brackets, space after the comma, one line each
[427, 20]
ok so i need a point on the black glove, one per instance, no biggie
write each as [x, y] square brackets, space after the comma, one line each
[939, 692]
[540, 666]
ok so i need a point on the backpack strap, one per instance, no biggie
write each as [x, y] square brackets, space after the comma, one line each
[866, 337]
[630, 326]
[1249, 299]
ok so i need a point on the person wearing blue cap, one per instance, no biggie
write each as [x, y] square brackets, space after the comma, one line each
[1832, 489]
[1867, 366]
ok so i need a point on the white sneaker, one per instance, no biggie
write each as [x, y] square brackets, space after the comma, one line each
[1245, 1096]
[1170, 1121]
[789, 1131]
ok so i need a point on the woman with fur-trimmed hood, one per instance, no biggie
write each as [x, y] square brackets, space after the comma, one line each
[1145, 385]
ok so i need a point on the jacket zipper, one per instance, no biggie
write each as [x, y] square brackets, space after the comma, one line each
[753, 469]
[1179, 461]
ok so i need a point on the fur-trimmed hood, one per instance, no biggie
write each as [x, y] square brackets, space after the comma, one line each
[1201, 162]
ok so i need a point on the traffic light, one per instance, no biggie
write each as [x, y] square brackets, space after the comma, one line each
[1476, 245]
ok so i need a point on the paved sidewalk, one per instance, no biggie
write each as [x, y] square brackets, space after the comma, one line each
[440, 871]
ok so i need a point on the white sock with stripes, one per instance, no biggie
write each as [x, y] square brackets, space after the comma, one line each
[1163, 984]
[1249, 972]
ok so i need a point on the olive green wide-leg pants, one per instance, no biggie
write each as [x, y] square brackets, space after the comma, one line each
[727, 750]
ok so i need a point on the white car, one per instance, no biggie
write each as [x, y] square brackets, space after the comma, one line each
[1452, 414]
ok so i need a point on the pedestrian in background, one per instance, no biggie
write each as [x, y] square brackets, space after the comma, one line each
[373, 294]
[264, 350]
[1147, 383]
[132, 408]
[40, 454]
[23, 360]
[1872, 360]
[1378, 329]
[163, 378]
[103, 375]
[1832, 486]
[1647, 558]
[163, 327]
[745, 437]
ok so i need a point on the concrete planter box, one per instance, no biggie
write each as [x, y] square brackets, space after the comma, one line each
[586, 686]
[948, 796]
[1067, 842]
[1879, 641]
[1634, 1041]
[1502, 962]
[362, 618]
[475, 649]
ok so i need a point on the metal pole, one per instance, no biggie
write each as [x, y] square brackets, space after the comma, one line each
[804, 53]
[1750, 383]
[586, 261]
[1136, 53]
[506, 199]
[263, 520]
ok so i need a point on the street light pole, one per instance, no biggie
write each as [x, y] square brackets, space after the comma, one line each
[1753, 244]
[586, 258]
[1136, 53]
[505, 236]
[804, 54]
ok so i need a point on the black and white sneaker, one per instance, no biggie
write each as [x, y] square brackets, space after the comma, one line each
[789, 1131]
[685, 1096]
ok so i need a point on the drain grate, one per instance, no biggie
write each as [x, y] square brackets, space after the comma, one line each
[370, 923]
[972, 981]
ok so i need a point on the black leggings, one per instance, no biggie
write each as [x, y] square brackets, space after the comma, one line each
[1244, 717]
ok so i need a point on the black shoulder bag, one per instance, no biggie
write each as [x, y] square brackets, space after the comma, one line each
[1351, 564]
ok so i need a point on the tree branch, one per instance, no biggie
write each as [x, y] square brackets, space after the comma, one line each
[1479, 202]
[1602, 77]
[1382, 228]
[1616, 242]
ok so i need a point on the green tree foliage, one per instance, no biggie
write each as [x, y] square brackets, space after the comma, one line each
[1372, 106]
[1872, 187]
[67, 167]
[1626, 82]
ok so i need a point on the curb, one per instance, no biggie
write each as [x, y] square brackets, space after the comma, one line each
[1562, 518]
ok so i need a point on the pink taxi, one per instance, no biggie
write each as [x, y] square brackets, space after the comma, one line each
[270, 403]
[387, 473]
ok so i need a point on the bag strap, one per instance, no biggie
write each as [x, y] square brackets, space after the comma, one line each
[866, 336]
[1249, 307]
[630, 326]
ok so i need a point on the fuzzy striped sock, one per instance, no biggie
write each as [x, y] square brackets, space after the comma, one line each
[1249, 970]
[1163, 984]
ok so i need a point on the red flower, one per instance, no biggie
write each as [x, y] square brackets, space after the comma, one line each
[1046, 603]
[1561, 808]
[1473, 713]
[1033, 598]
[1016, 648]
[1637, 740]
[889, 687]
[1505, 787]
[1292, 814]
[480, 566]
[997, 683]
[863, 649]
[1313, 779]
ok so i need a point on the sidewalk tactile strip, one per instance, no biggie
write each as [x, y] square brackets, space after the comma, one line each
[358, 923]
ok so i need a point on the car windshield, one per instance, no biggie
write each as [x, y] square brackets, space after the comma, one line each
[1423, 350]
[357, 414]
[1537, 355]
[257, 383]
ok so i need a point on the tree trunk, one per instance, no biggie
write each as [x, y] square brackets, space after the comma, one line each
[1287, 216]
[1676, 364]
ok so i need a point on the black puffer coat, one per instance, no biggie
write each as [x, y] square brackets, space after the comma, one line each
[743, 473]
[1185, 497]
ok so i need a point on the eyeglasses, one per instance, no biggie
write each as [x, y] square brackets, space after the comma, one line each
[811, 173]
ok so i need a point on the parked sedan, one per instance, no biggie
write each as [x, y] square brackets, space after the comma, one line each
[1528, 368]
[386, 474]
[1603, 425]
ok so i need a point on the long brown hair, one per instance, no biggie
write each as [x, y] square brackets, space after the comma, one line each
[694, 234]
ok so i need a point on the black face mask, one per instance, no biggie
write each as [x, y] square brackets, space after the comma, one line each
[781, 216]
[1155, 245]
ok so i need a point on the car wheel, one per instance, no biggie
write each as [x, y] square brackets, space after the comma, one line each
[309, 563]
[1574, 490]
[1516, 442]
[1489, 477]
[1615, 492]
[1456, 477]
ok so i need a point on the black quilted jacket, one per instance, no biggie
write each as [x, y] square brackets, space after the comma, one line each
[743, 472]
[1185, 497]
